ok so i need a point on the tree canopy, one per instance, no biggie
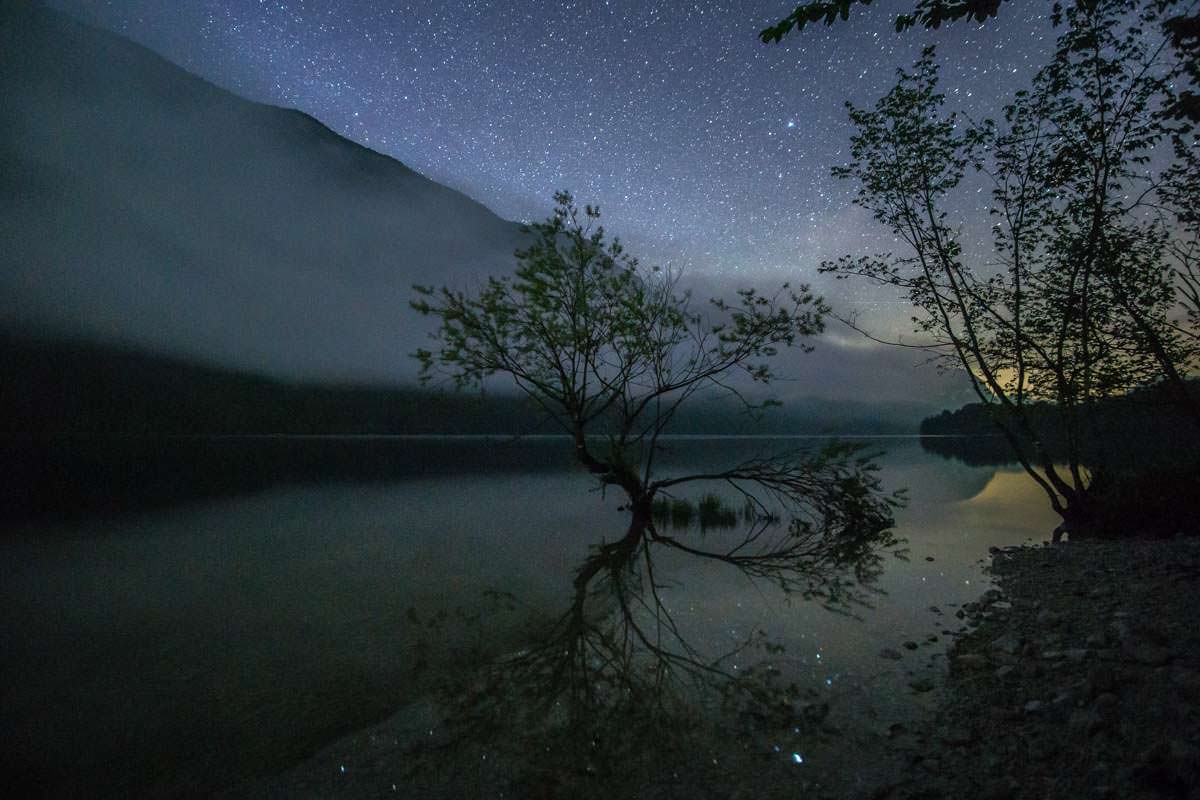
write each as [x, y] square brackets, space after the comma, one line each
[1179, 20]
[1081, 297]
[610, 351]
[926, 13]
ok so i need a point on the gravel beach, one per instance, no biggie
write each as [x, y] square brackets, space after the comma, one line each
[1079, 678]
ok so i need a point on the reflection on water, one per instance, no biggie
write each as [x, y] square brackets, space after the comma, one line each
[199, 646]
[1009, 488]
[616, 680]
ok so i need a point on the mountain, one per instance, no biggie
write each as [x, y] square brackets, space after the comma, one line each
[141, 205]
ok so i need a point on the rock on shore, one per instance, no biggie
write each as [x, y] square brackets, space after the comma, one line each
[1080, 679]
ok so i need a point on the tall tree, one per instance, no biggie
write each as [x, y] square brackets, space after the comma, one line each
[1181, 181]
[1082, 302]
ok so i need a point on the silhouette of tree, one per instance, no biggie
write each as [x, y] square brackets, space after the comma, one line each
[1183, 28]
[610, 352]
[926, 13]
[1084, 305]
[1181, 181]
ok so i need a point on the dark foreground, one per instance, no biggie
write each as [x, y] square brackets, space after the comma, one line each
[1078, 678]
[1081, 679]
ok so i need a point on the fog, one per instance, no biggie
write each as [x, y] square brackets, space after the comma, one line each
[142, 205]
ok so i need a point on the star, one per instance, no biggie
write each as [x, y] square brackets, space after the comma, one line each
[664, 114]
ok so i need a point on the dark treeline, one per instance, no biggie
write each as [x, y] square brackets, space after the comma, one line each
[60, 387]
[1143, 453]
[67, 387]
[1145, 427]
[65, 477]
[88, 428]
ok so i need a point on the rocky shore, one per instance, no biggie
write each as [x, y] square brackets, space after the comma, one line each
[1079, 678]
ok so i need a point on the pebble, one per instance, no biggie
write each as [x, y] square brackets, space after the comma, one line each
[1048, 619]
[1085, 721]
[1187, 682]
[958, 737]
[971, 661]
[1101, 678]
[1123, 669]
[1107, 705]
[1007, 644]
[1151, 655]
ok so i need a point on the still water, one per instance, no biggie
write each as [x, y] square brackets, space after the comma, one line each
[193, 646]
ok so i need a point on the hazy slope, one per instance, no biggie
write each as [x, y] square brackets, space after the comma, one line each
[141, 204]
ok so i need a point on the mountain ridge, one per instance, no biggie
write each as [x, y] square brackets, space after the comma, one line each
[144, 205]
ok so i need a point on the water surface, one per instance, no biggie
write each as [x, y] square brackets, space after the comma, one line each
[194, 645]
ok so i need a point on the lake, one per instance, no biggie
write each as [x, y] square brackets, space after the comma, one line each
[200, 612]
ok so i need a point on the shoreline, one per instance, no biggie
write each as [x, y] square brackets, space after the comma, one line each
[1080, 678]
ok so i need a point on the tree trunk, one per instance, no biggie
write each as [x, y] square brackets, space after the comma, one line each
[618, 554]
[1078, 519]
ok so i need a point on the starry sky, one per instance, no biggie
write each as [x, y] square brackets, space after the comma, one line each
[706, 150]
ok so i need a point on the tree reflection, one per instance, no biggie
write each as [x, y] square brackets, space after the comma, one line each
[617, 679]
[610, 352]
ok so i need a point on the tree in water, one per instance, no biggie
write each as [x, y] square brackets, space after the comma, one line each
[610, 352]
[1079, 301]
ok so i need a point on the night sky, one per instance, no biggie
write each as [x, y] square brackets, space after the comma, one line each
[706, 149]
